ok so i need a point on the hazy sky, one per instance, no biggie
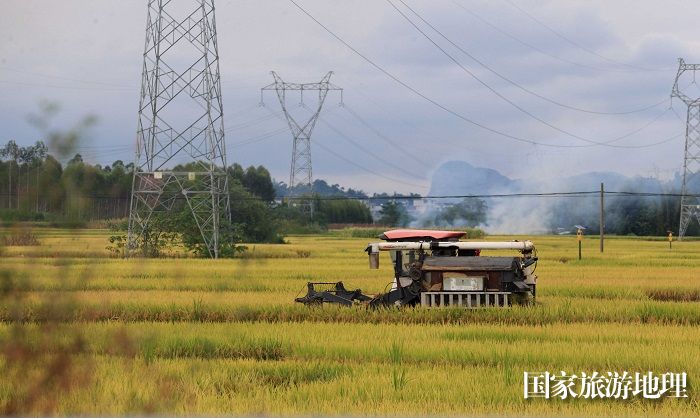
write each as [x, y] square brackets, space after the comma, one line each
[603, 56]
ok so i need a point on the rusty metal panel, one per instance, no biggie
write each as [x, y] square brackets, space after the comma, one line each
[493, 281]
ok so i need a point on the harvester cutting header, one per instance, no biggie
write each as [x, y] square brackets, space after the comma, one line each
[435, 269]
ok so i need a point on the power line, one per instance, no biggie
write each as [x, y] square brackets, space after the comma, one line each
[577, 45]
[361, 167]
[259, 138]
[90, 147]
[369, 170]
[54, 86]
[250, 123]
[574, 194]
[490, 88]
[519, 86]
[594, 193]
[96, 152]
[427, 141]
[239, 113]
[445, 108]
[380, 135]
[533, 47]
[365, 150]
[74, 80]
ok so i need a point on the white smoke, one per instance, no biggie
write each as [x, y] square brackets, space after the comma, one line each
[533, 214]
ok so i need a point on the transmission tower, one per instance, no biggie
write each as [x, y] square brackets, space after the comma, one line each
[300, 174]
[690, 206]
[180, 124]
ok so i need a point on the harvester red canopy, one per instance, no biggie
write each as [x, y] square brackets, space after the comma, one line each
[404, 234]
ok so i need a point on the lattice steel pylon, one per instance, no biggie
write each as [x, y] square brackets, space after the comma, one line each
[301, 173]
[180, 123]
[690, 205]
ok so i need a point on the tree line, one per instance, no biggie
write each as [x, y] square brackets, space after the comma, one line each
[624, 215]
[36, 186]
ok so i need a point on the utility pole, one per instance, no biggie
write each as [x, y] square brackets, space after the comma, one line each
[300, 175]
[180, 122]
[602, 217]
[579, 238]
[690, 206]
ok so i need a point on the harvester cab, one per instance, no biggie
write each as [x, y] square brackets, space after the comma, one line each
[435, 269]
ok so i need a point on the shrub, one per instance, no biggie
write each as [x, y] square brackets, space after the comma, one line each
[20, 239]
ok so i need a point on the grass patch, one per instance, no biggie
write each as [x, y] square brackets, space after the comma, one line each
[286, 375]
[674, 295]
[20, 239]
[371, 233]
[206, 348]
[561, 312]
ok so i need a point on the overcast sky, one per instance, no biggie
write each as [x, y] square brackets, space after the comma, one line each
[603, 56]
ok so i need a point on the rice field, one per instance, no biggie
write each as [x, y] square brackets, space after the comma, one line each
[83, 333]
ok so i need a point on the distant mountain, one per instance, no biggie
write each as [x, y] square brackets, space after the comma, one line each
[462, 178]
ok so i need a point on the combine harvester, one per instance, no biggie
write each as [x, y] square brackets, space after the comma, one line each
[435, 269]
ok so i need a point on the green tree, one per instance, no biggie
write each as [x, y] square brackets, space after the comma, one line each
[253, 218]
[184, 225]
[50, 185]
[257, 180]
[343, 211]
[468, 212]
[394, 214]
[12, 152]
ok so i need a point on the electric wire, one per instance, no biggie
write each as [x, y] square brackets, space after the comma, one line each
[74, 80]
[519, 86]
[430, 145]
[404, 197]
[576, 44]
[444, 107]
[575, 194]
[250, 123]
[89, 147]
[528, 45]
[677, 115]
[353, 163]
[497, 93]
[369, 170]
[239, 113]
[380, 135]
[259, 138]
[54, 86]
[365, 150]
[102, 152]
